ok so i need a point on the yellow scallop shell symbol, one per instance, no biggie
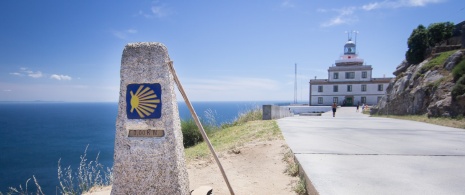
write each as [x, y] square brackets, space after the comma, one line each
[144, 101]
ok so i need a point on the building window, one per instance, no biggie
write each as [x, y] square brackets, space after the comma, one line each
[364, 87]
[364, 100]
[335, 100]
[320, 88]
[335, 88]
[336, 75]
[350, 75]
[364, 75]
[320, 100]
[380, 87]
[379, 98]
[349, 88]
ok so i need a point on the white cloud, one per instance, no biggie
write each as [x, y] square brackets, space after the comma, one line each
[7, 90]
[60, 77]
[321, 10]
[347, 15]
[398, 4]
[232, 89]
[16, 74]
[124, 34]
[158, 11]
[233, 83]
[35, 75]
[287, 4]
[30, 73]
[131, 31]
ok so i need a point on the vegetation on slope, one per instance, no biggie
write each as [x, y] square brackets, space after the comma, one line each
[423, 38]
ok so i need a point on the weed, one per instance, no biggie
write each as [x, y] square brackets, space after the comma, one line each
[300, 188]
[292, 168]
[25, 191]
[88, 175]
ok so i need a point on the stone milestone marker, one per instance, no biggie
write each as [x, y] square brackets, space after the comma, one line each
[149, 152]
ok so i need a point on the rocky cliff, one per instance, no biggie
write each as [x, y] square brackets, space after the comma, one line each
[425, 88]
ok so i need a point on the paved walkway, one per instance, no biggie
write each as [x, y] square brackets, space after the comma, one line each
[353, 153]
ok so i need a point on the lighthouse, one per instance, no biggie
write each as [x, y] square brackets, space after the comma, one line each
[349, 82]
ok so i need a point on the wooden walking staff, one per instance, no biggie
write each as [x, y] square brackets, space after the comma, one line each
[197, 121]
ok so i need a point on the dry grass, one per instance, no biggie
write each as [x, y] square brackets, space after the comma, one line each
[443, 121]
[232, 137]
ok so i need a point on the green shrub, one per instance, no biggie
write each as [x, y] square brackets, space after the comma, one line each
[190, 133]
[459, 70]
[417, 44]
[458, 89]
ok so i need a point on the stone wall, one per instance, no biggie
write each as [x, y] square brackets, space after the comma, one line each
[275, 112]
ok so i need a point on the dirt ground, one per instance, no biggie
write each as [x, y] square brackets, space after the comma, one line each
[255, 168]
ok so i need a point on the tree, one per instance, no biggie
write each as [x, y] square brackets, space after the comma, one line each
[417, 45]
[438, 32]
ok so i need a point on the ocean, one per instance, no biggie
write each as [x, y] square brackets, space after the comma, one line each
[35, 135]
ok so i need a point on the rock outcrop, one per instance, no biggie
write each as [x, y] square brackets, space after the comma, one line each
[423, 89]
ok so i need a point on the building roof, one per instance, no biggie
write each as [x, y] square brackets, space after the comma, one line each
[347, 68]
[372, 81]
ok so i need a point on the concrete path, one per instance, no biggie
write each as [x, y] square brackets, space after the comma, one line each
[353, 153]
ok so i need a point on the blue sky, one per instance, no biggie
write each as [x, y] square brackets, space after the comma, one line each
[55, 50]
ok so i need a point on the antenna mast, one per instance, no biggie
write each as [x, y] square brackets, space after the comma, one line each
[295, 84]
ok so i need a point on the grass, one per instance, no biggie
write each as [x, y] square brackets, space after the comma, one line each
[456, 122]
[435, 63]
[300, 188]
[87, 175]
[246, 128]
[292, 168]
[24, 191]
[443, 121]
[231, 137]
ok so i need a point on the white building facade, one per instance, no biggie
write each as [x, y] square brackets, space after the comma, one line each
[349, 82]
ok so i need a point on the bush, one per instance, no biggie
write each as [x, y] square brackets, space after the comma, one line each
[459, 70]
[417, 45]
[422, 38]
[458, 89]
[190, 133]
[438, 32]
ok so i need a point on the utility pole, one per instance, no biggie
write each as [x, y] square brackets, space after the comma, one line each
[295, 84]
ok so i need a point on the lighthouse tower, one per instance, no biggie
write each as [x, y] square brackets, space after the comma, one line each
[349, 82]
[350, 56]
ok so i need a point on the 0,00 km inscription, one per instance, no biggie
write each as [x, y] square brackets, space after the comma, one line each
[146, 133]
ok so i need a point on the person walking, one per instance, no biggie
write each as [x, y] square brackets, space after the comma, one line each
[358, 105]
[334, 106]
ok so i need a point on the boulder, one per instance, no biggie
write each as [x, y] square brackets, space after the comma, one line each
[402, 67]
[453, 60]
